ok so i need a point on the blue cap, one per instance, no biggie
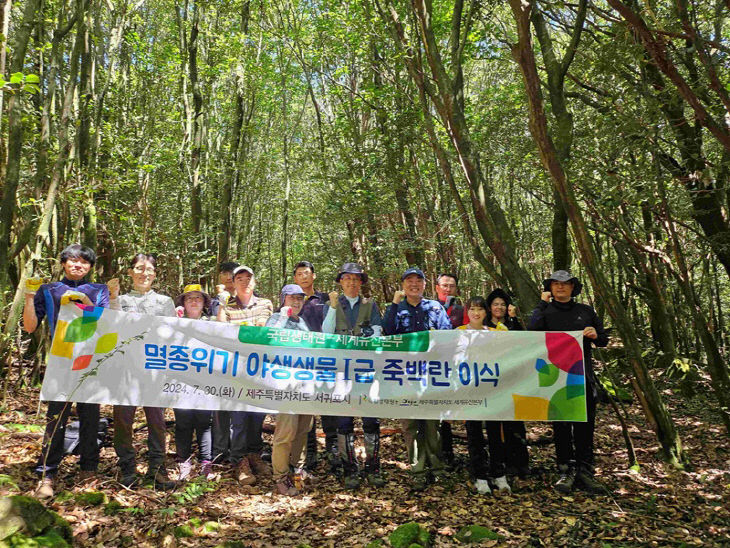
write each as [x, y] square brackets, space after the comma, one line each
[292, 289]
[413, 270]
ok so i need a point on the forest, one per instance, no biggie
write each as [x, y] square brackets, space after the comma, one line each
[495, 140]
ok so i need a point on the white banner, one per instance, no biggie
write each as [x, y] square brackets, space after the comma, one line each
[106, 356]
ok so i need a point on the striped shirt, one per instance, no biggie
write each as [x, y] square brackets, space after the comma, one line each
[256, 312]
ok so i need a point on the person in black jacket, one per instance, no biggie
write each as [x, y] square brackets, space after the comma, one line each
[558, 311]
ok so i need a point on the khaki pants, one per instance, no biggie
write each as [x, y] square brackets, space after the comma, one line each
[290, 435]
[423, 441]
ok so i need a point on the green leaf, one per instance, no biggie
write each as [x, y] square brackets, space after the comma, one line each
[16, 77]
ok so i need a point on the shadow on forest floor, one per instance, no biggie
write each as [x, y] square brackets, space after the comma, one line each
[654, 506]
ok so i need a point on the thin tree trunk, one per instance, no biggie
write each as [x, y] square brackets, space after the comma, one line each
[22, 36]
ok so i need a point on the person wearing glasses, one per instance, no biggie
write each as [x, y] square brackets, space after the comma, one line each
[141, 299]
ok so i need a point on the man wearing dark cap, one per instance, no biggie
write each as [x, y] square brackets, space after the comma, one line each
[409, 315]
[353, 314]
[558, 311]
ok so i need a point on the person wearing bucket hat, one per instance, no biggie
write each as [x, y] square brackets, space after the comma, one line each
[290, 433]
[245, 308]
[558, 311]
[354, 315]
[195, 303]
[409, 313]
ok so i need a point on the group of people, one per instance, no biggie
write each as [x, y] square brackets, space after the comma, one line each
[234, 438]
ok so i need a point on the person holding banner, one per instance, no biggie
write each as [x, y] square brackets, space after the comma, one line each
[558, 311]
[447, 289]
[410, 313]
[291, 430]
[196, 305]
[313, 313]
[354, 315]
[142, 299]
[245, 308]
[44, 301]
[222, 419]
[501, 315]
[490, 314]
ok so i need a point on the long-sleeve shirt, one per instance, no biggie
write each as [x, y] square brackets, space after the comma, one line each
[313, 310]
[406, 318]
[256, 312]
[47, 299]
[286, 322]
[570, 316]
[150, 303]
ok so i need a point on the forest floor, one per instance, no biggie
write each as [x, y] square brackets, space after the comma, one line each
[654, 506]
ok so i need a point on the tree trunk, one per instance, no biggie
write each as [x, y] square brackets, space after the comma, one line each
[22, 36]
[447, 99]
[196, 208]
[525, 58]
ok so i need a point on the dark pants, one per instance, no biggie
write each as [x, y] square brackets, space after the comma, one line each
[506, 443]
[447, 441]
[221, 435]
[123, 437]
[246, 434]
[574, 440]
[329, 427]
[370, 425]
[57, 416]
[187, 421]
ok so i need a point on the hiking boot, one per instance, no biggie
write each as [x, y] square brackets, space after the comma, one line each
[375, 478]
[129, 480]
[258, 466]
[305, 476]
[184, 469]
[45, 488]
[482, 487]
[243, 473]
[565, 482]
[350, 468]
[352, 481]
[285, 486]
[372, 459]
[206, 470]
[160, 480]
[419, 482]
[501, 487]
[584, 480]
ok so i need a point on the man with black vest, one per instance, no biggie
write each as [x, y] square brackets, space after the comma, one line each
[352, 314]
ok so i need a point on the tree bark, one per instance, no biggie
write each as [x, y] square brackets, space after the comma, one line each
[525, 58]
[447, 99]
